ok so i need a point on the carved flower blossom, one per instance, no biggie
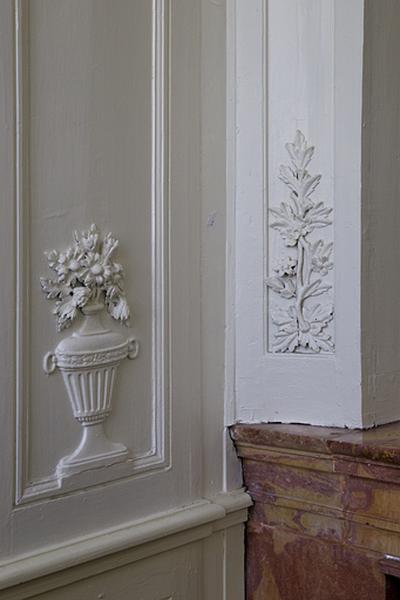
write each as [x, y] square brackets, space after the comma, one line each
[321, 262]
[96, 270]
[65, 264]
[86, 273]
[285, 265]
[289, 225]
[293, 226]
[87, 240]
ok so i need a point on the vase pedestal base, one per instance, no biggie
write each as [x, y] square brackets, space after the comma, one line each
[94, 451]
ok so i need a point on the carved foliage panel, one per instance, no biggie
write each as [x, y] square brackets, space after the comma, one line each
[92, 145]
[302, 307]
[299, 178]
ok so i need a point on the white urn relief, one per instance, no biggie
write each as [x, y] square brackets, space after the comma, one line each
[301, 322]
[88, 282]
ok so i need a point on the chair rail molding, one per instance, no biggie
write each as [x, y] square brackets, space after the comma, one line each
[83, 558]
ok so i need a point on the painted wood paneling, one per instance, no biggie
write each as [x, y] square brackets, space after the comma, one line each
[82, 67]
[103, 119]
[298, 67]
[102, 124]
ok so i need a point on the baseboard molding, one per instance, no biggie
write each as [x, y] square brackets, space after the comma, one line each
[36, 573]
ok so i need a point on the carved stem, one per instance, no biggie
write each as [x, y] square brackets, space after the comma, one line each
[302, 277]
[308, 265]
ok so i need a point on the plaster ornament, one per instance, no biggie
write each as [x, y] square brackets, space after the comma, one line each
[298, 274]
[87, 282]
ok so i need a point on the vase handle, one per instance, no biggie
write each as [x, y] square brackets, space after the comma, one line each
[49, 363]
[133, 348]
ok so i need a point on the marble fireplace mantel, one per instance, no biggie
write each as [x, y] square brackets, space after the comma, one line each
[325, 524]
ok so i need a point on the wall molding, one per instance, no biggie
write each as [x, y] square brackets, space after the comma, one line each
[158, 455]
[136, 540]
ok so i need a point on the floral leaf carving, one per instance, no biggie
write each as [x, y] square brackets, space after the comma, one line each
[66, 313]
[321, 255]
[287, 335]
[285, 286]
[290, 337]
[52, 289]
[303, 326]
[119, 310]
[81, 296]
[299, 152]
[316, 288]
[86, 272]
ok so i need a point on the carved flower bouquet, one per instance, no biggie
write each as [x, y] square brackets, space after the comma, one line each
[88, 280]
[299, 272]
[86, 274]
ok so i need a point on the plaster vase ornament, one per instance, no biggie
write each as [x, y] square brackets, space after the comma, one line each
[299, 273]
[87, 283]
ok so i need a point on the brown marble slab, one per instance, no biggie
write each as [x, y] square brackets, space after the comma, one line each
[378, 444]
[282, 565]
[326, 511]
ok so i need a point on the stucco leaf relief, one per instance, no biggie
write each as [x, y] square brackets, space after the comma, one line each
[88, 281]
[86, 273]
[298, 274]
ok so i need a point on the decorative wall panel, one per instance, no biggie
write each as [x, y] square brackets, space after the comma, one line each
[91, 145]
[294, 335]
[302, 100]
[304, 261]
[87, 283]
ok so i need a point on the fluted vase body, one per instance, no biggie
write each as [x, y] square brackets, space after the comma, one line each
[88, 361]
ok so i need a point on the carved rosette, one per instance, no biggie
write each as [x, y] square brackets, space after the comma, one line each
[89, 358]
[302, 326]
